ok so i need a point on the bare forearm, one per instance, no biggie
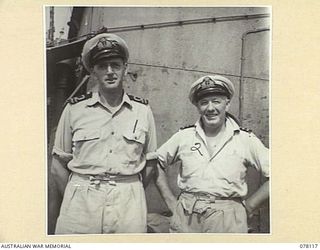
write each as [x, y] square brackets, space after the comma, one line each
[164, 189]
[60, 174]
[255, 200]
[148, 172]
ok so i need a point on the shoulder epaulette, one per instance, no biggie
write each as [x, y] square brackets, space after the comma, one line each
[138, 99]
[246, 130]
[189, 126]
[77, 99]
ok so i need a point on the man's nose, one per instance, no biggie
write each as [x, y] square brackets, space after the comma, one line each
[109, 69]
[210, 106]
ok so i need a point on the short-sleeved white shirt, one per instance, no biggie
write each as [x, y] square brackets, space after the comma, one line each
[94, 140]
[221, 174]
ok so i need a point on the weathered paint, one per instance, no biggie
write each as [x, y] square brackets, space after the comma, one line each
[256, 92]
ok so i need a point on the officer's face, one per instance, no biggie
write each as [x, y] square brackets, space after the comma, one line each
[213, 109]
[110, 72]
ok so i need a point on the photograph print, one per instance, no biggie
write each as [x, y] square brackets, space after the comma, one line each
[157, 119]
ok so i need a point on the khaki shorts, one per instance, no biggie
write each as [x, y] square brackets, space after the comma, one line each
[205, 216]
[89, 208]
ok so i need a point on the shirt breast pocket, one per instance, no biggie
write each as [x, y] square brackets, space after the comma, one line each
[85, 143]
[232, 167]
[192, 163]
[134, 143]
[86, 135]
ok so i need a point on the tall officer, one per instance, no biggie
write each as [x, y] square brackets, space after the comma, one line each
[101, 146]
[214, 155]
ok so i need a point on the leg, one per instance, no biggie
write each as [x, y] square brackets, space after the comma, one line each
[127, 210]
[182, 222]
[226, 217]
[81, 209]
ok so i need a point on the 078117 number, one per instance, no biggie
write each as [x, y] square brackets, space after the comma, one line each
[308, 245]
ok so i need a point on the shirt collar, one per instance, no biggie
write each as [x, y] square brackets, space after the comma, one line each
[96, 99]
[231, 127]
[126, 99]
[198, 125]
[200, 130]
[231, 124]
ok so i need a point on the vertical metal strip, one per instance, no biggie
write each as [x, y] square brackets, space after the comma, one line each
[242, 65]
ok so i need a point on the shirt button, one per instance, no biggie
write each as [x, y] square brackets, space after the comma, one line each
[110, 151]
[112, 133]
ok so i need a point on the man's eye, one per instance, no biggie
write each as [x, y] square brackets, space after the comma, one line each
[102, 66]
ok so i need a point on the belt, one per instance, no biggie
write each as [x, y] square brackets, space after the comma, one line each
[199, 202]
[106, 178]
[210, 197]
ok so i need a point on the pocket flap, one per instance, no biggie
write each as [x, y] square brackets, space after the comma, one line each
[138, 136]
[86, 135]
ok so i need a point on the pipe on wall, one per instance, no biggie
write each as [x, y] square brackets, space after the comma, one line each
[168, 24]
[241, 87]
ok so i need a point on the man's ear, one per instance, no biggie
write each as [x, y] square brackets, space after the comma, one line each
[91, 71]
[126, 68]
[228, 104]
[93, 74]
[198, 108]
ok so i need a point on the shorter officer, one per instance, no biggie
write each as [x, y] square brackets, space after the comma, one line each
[214, 155]
[100, 148]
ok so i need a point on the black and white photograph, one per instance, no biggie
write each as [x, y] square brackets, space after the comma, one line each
[160, 124]
[158, 119]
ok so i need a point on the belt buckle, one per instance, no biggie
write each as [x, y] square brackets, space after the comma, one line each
[212, 199]
[206, 197]
[105, 177]
[108, 178]
[209, 197]
[96, 179]
[203, 201]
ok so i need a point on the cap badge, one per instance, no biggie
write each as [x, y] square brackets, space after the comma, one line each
[104, 43]
[206, 82]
